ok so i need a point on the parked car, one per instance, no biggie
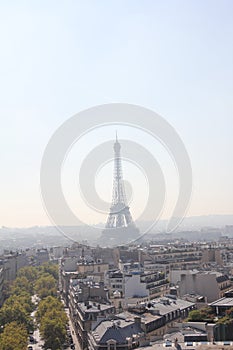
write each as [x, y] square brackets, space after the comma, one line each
[189, 343]
[226, 342]
[167, 343]
[31, 339]
[71, 339]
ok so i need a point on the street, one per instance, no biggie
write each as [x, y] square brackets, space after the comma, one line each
[38, 345]
[75, 340]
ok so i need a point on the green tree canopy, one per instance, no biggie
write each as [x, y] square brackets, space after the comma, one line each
[53, 329]
[24, 299]
[15, 312]
[46, 285]
[205, 313]
[49, 268]
[48, 304]
[21, 284]
[14, 337]
[195, 315]
[30, 272]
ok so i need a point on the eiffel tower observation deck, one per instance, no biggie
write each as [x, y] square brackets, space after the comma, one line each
[120, 227]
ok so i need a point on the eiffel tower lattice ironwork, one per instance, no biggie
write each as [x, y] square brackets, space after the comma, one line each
[119, 215]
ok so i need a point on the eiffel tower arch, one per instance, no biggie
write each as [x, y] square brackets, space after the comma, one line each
[120, 227]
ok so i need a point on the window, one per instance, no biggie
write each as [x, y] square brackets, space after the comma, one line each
[111, 344]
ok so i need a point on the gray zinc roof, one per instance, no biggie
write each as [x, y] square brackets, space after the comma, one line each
[224, 302]
[107, 330]
[171, 305]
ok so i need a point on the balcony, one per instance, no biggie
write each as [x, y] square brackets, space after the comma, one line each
[158, 284]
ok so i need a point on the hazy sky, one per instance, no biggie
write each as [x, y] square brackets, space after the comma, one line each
[60, 57]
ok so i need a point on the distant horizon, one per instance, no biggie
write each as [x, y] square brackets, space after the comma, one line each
[103, 223]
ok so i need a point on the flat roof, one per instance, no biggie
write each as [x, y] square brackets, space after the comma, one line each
[146, 317]
[93, 306]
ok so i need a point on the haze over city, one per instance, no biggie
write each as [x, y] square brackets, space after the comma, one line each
[175, 58]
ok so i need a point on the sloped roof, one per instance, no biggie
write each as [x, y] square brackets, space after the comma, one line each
[223, 302]
[167, 305]
[222, 278]
[107, 330]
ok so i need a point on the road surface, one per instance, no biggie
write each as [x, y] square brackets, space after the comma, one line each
[75, 340]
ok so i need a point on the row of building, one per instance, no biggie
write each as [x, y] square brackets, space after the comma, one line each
[136, 295]
[11, 262]
[128, 297]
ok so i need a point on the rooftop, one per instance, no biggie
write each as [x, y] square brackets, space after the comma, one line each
[94, 306]
[117, 330]
[167, 305]
[223, 302]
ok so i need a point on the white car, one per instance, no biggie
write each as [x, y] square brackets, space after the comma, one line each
[167, 343]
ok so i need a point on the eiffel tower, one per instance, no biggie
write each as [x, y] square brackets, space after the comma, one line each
[120, 227]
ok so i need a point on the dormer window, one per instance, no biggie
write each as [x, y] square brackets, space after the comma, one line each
[111, 344]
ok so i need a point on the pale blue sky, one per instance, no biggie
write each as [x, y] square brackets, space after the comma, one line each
[59, 57]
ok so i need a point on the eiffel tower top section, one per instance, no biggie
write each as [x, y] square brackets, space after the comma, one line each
[119, 215]
[118, 195]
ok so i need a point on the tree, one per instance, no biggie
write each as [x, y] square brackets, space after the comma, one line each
[229, 312]
[49, 268]
[204, 314]
[46, 285]
[21, 284]
[48, 304]
[53, 329]
[24, 299]
[53, 322]
[14, 337]
[30, 272]
[195, 315]
[15, 312]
